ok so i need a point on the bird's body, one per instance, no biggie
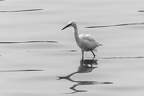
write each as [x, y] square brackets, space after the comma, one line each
[84, 41]
[87, 43]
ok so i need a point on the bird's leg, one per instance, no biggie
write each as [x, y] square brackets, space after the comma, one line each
[93, 54]
[81, 62]
[82, 54]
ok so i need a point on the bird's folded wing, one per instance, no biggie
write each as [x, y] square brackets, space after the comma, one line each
[86, 37]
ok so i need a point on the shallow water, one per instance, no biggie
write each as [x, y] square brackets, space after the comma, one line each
[38, 59]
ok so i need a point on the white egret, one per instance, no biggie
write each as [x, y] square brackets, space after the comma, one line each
[84, 41]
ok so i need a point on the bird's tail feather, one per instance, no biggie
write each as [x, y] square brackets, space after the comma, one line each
[100, 44]
[95, 50]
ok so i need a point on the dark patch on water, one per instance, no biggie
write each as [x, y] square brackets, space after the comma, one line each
[106, 82]
[124, 24]
[56, 51]
[28, 70]
[141, 11]
[126, 88]
[138, 57]
[69, 50]
[25, 10]
[29, 42]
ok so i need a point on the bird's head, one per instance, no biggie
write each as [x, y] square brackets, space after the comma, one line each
[70, 24]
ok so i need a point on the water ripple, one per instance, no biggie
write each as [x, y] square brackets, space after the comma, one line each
[56, 51]
[27, 70]
[124, 24]
[137, 57]
[25, 10]
[29, 42]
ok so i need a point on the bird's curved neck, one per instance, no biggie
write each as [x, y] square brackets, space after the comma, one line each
[76, 32]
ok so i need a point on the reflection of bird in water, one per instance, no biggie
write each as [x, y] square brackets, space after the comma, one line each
[83, 68]
[88, 62]
[85, 42]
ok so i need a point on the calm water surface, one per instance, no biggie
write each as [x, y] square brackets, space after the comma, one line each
[38, 59]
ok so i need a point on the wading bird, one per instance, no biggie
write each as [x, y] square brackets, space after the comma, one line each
[84, 41]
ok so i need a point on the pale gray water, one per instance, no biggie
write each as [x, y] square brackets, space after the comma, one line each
[35, 53]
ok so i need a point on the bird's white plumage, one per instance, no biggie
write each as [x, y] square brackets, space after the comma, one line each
[87, 43]
[86, 37]
[84, 41]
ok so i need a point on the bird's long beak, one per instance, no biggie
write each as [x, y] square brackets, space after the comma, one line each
[66, 26]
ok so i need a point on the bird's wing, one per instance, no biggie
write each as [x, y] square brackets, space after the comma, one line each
[86, 37]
